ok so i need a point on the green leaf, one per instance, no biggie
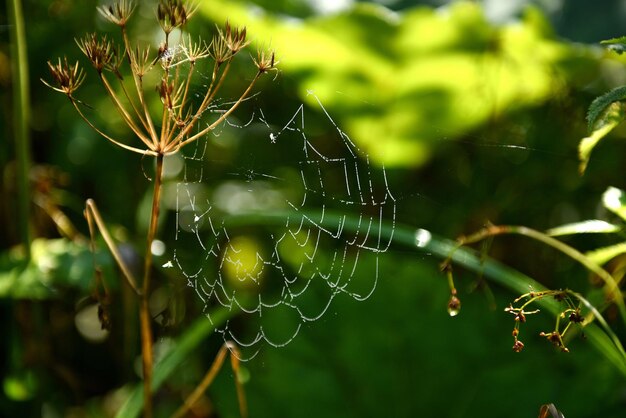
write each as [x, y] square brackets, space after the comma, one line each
[593, 226]
[614, 200]
[597, 110]
[605, 113]
[55, 264]
[616, 44]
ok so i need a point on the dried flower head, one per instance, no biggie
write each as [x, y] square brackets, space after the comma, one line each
[195, 50]
[68, 77]
[140, 61]
[117, 13]
[100, 51]
[173, 14]
[219, 49]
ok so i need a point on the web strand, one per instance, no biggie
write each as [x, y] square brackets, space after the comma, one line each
[282, 277]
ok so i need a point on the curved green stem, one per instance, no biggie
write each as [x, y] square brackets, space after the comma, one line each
[424, 241]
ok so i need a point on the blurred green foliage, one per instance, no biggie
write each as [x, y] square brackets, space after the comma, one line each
[474, 121]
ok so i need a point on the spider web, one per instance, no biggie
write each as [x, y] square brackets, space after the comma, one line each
[328, 205]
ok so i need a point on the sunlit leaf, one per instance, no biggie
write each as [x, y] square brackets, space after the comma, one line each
[413, 78]
[604, 115]
[614, 200]
[55, 264]
[593, 226]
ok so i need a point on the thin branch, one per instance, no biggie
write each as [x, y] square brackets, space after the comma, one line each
[139, 87]
[144, 310]
[134, 106]
[93, 215]
[116, 142]
[227, 348]
[122, 110]
[210, 93]
[218, 121]
[187, 83]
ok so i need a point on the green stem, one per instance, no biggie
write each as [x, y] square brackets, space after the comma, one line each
[19, 63]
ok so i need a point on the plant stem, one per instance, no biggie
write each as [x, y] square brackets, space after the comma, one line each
[144, 311]
[21, 117]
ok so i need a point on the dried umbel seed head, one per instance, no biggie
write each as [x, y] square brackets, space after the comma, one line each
[195, 50]
[67, 77]
[140, 61]
[219, 50]
[235, 38]
[265, 61]
[118, 13]
[173, 14]
[99, 51]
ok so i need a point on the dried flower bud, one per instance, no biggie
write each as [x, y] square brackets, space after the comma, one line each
[454, 306]
[235, 38]
[555, 338]
[165, 91]
[518, 346]
[576, 317]
[173, 14]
